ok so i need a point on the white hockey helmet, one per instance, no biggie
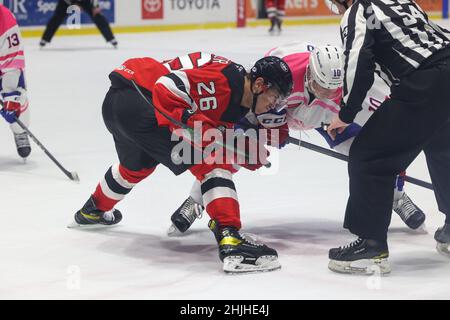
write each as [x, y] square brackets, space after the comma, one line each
[326, 66]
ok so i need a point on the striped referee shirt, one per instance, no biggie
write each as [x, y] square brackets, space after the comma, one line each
[389, 37]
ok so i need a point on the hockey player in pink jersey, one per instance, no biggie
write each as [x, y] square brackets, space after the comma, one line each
[315, 100]
[12, 80]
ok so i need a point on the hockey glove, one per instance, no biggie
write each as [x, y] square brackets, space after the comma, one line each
[277, 137]
[254, 155]
[204, 130]
[11, 111]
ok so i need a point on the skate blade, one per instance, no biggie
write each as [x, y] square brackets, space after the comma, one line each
[362, 267]
[234, 265]
[174, 232]
[422, 229]
[443, 249]
[75, 225]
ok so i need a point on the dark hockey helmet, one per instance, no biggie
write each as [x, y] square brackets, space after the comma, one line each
[275, 72]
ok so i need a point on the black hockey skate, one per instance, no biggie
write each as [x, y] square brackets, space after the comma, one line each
[43, 43]
[279, 22]
[89, 215]
[273, 24]
[411, 214]
[240, 254]
[442, 237]
[184, 216]
[114, 43]
[361, 256]
[22, 144]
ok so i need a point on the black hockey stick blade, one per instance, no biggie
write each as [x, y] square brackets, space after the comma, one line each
[343, 157]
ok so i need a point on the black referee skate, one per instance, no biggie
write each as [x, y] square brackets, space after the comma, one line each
[409, 212]
[22, 144]
[442, 237]
[89, 215]
[240, 254]
[361, 256]
[279, 22]
[184, 216]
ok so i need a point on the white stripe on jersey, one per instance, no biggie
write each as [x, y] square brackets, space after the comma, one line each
[186, 62]
[410, 61]
[352, 57]
[205, 58]
[397, 33]
[172, 87]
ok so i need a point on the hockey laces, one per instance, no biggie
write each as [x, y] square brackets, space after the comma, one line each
[406, 207]
[252, 239]
[192, 210]
[22, 140]
[352, 244]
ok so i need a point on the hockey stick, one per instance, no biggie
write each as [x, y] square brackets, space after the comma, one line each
[71, 175]
[189, 129]
[343, 157]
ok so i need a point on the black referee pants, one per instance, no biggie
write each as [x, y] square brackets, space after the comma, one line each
[61, 12]
[415, 119]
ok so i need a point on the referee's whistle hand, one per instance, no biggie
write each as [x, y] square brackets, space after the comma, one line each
[336, 126]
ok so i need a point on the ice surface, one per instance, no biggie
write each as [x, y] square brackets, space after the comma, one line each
[298, 210]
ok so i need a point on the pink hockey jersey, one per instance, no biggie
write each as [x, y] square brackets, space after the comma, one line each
[305, 112]
[12, 60]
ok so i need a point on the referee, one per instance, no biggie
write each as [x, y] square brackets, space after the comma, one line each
[395, 39]
[91, 7]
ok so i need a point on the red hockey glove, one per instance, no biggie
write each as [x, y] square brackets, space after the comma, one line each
[205, 131]
[257, 155]
[278, 140]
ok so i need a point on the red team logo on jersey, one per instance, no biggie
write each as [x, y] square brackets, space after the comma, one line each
[152, 9]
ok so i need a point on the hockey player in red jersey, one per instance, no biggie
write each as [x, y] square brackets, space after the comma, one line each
[314, 101]
[275, 12]
[149, 101]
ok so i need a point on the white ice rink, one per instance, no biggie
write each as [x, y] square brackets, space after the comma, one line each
[297, 210]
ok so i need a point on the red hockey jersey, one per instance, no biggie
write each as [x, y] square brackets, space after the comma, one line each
[211, 87]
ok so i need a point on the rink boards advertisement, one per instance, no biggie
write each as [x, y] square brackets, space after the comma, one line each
[299, 8]
[157, 13]
[183, 11]
[37, 12]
